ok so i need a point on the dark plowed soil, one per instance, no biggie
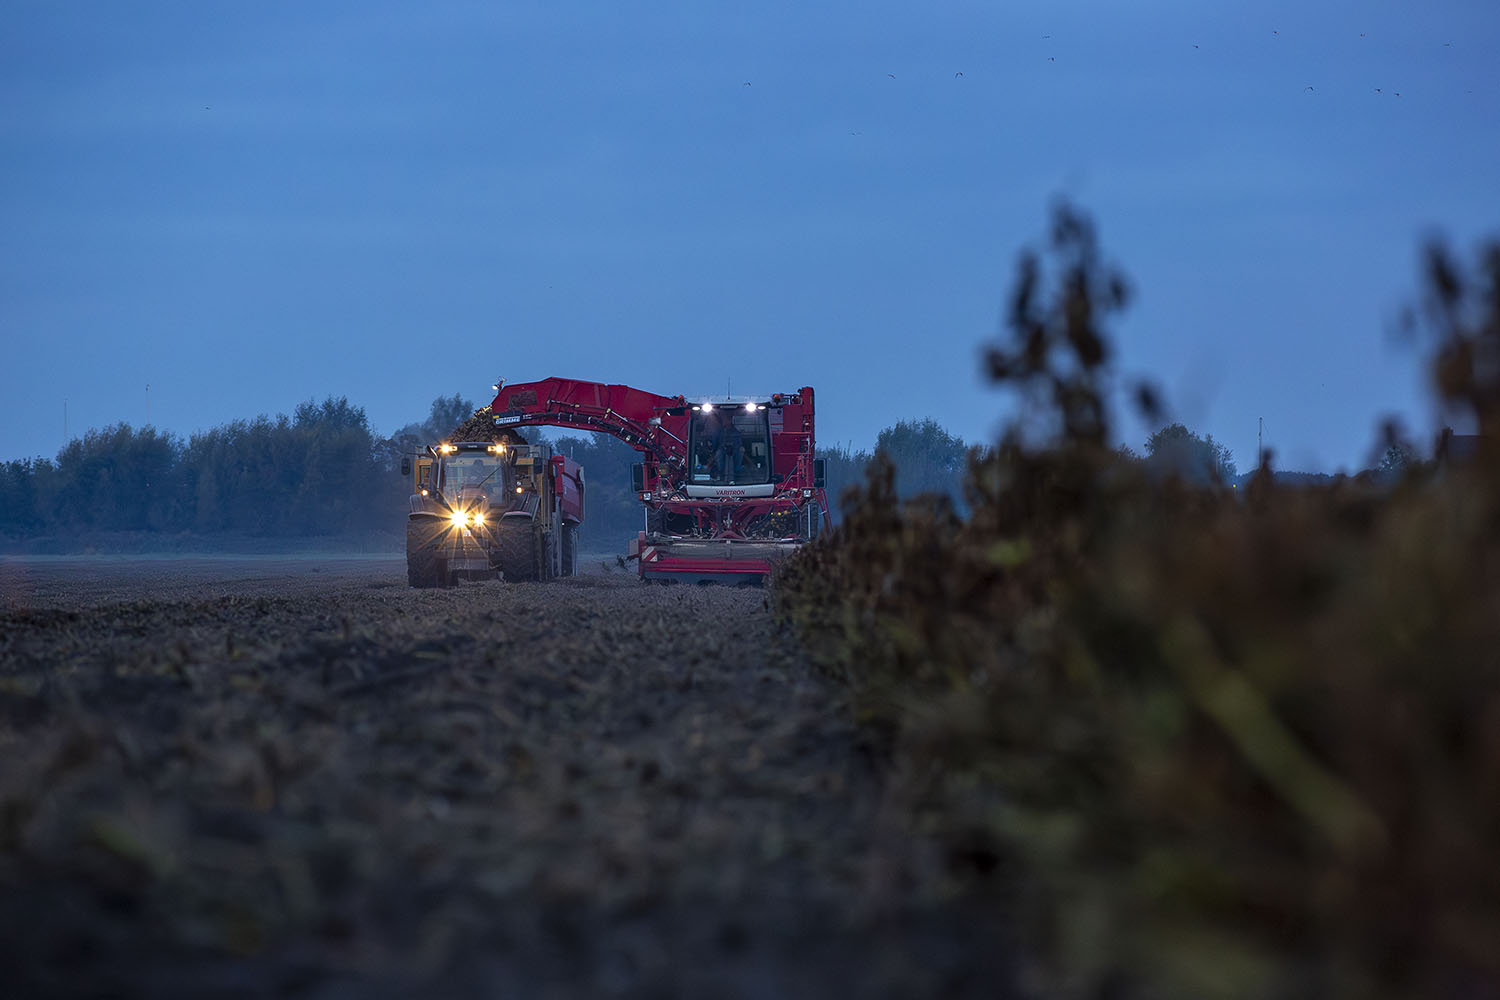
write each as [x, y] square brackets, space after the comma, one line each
[253, 779]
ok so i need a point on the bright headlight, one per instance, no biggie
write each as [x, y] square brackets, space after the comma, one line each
[479, 519]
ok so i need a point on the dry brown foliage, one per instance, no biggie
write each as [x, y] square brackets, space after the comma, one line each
[1221, 743]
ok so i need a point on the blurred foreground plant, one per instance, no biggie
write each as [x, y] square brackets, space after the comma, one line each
[1214, 742]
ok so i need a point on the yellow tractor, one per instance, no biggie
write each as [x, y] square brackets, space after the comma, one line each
[482, 509]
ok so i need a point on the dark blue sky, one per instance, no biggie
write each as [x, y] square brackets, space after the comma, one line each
[247, 206]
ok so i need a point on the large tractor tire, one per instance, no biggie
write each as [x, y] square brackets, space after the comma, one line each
[424, 567]
[518, 551]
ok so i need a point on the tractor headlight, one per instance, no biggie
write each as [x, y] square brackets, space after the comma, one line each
[479, 519]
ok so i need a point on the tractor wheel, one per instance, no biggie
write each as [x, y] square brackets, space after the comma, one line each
[570, 550]
[422, 562]
[518, 551]
[417, 570]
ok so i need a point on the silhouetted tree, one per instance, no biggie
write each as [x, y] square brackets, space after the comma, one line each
[1175, 450]
[928, 459]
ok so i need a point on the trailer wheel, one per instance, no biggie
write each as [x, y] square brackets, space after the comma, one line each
[570, 550]
[518, 551]
[548, 550]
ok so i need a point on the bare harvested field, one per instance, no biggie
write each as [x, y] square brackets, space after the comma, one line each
[251, 777]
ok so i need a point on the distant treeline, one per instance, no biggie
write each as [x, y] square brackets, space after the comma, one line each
[319, 472]
[323, 472]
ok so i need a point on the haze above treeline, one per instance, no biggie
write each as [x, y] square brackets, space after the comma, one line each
[248, 206]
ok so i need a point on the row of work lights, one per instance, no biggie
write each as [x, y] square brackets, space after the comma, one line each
[749, 407]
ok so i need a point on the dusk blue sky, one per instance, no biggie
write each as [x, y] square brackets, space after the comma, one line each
[246, 206]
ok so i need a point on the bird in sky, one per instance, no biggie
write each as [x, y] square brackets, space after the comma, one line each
[958, 74]
[891, 75]
[1306, 89]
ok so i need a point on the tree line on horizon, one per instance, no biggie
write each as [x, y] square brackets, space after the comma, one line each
[323, 471]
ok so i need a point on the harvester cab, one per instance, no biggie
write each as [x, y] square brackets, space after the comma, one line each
[730, 445]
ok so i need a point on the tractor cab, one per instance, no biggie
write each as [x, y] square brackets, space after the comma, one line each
[729, 444]
[473, 468]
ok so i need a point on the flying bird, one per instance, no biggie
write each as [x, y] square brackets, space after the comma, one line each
[747, 83]
[891, 75]
[958, 74]
[1306, 89]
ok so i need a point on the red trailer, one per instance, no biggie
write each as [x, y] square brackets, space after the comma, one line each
[728, 486]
